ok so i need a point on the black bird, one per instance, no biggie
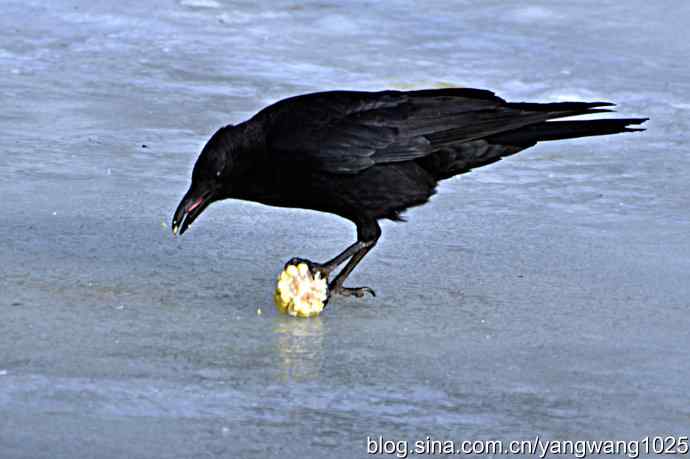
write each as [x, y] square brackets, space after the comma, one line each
[366, 156]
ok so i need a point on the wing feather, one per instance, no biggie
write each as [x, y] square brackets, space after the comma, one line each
[347, 131]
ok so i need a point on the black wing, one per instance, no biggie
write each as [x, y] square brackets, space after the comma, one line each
[347, 132]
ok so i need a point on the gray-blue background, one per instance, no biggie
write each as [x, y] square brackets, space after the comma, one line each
[546, 294]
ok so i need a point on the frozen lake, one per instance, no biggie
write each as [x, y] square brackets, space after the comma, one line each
[546, 294]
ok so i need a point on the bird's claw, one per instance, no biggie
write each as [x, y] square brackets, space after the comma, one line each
[359, 292]
[296, 261]
[334, 289]
[313, 266]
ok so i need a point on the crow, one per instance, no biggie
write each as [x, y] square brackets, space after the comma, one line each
[367, 156]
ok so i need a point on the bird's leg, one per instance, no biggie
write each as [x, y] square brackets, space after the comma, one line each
[330, 265]
[327, 268]
[336, 286]
[368, 232]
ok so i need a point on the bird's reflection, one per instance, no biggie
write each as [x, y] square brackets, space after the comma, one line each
[300, 348]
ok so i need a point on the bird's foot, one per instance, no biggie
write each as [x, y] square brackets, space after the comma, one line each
[359, 292]
[296, 260]
[314, 267]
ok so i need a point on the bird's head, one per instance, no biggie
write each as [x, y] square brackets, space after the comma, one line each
[211, 179]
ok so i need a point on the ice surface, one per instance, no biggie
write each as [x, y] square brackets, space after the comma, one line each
[546, 294]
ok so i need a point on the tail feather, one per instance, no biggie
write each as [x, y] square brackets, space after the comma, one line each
[459, 158]
[557, 130]
[564, 109]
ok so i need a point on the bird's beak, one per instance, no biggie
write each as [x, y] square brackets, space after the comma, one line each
[189, 209]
